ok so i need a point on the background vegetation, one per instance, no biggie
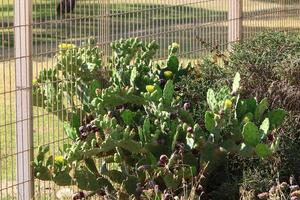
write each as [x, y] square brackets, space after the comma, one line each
[48, 34]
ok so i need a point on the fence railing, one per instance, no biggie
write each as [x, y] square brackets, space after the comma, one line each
[31, 30]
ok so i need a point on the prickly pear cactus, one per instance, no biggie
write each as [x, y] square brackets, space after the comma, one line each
[138, 140]
[247, 125]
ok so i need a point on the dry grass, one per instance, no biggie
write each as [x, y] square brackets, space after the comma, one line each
[47, 127]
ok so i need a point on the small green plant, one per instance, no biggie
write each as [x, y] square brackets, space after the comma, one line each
[149, 143]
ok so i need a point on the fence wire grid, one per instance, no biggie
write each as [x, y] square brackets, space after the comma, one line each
[31, 31]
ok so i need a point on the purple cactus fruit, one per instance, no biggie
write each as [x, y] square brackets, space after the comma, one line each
[89, 127]
[270, 137]
[167, 195]
[186, 106]
[221, 112]
[78, 195]
[199, 190]
[95, 128]
[161, 141]
[179, 146]
[139, 188]
[110, 114]
[83, 135]
[81, 129]
[151, 184]
[143, 167]
[164, 158]
[190, 129]
[264, 195]
[295, 198]
[294, 188]
[162, 82]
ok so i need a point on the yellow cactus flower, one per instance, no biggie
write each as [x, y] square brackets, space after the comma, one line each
[175, 45]
[34, 82]
[168, 74]
[64, 46]
[228, 104]
[59, 159]
[150, 88]
[248, 118]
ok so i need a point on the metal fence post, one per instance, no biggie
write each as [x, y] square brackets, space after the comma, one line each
[235, 22]
[24, 121]
[105, 27]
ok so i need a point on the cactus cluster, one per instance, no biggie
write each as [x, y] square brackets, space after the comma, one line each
[72, 81]
[147, 142]
[244, 126]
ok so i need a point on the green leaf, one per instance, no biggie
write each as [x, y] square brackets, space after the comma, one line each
[210, 122]
[173, 63]
[62, 178]
[260, 109]
[276, 117]
[246, 150]
[133, 76]
[130, 145]
[185, 116]
[88, 181]
[116, 98]
[179, 135]
[191, 160]
[71, 132]
[105, 147]
[264, 127]
[42, 173]
[211, 100]
[245, 106]
[128, 117]
[208, 153]
[115, 176]
[251, 134]
[236, 82]
[90, 164]
[85, 180]
[186, 172]
[95, 84]
[146, 129]
[171, 181]
[75, 120]
[263, 151]
[130, 184]
[157, 94]
[141, 135]
[168, 92]
[134, 99]
[229, 145]
[50, 161]
[103, 183]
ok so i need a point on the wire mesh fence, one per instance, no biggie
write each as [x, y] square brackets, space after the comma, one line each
[27, 47]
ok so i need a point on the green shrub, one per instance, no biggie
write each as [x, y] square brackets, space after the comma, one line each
[270, 67]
